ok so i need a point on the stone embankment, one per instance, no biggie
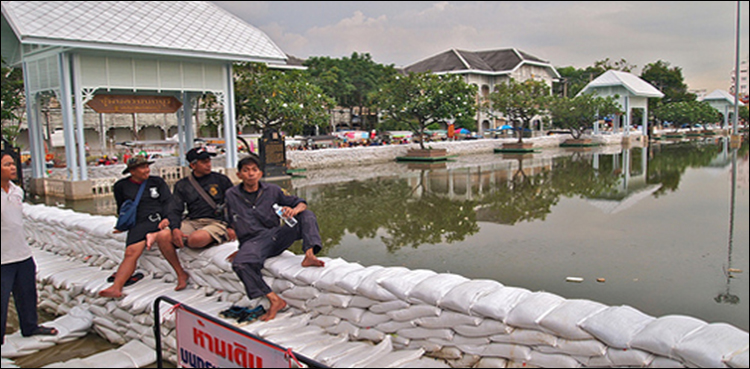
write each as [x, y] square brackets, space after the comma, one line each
[350, 315]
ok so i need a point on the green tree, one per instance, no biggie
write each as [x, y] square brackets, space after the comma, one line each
[668, 80]
[519, 102]
[579, 113]
[12, 101]
[421, 99]
[350, 81]
[686, 112]
[574, 80]
[283, 100]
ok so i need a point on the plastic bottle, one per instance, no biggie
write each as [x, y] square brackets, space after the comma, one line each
[291, 222]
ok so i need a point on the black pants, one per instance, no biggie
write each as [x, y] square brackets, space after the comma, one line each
[255, 251]
[20, 280]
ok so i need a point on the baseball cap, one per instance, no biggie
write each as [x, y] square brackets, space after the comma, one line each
[198, 153]
[136, 161]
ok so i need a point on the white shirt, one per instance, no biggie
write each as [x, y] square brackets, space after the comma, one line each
[14, 245]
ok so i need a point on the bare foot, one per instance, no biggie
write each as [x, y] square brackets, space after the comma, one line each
[182, 282]
[276, 306]
[312, 261]
[151, 239]
[111, 292]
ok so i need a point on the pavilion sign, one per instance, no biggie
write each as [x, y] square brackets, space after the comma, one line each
[128, 104]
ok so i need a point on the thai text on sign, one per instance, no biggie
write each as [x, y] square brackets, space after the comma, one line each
[202, 343]
[128, 104]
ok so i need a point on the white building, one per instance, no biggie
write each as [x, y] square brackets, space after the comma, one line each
[744, 88]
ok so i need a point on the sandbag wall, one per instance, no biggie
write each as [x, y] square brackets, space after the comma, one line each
[347, 314]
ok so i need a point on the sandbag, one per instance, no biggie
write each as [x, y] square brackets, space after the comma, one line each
[708, 346]
[542, 360]
[448, 319]
[462, 297]
[663, 334]
[511, 352]
[414, 312]
[498, 304]
[529, 312]
[432, 290]
[366, 356]
[396, 359]
[370, 287]
[402, 285]
[487, 328]
[355, 278]
[526, 337]
[738, 359]
[616, 326]
[327, 282]
[563, 320]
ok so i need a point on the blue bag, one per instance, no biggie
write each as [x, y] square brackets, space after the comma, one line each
[128, 211]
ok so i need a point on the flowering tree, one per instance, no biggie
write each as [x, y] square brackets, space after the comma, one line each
[283, 100]
[422, 99]
[519, 102]
[580, 112]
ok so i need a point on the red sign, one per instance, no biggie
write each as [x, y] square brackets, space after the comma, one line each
[202, 343]
[128, 104]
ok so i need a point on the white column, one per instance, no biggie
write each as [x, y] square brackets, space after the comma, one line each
[76, 82]
[645, 119]
[627, 116]
[230, 125]
[66, 107]
[182, 121]
[36, 141]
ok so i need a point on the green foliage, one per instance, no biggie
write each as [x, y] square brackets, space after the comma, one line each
[283, 100]
[686, 112]
[668, 80]
[574, 80]
[419, 100]
[519, 102]
[12, 101]
[580, 112]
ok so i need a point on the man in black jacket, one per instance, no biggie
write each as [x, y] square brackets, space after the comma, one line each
[203, 225]
[257, 226]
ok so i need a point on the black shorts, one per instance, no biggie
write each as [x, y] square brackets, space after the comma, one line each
[140, 230]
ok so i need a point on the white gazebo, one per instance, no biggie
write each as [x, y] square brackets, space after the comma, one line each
[631, 91]
[723, 102]
[78, 50]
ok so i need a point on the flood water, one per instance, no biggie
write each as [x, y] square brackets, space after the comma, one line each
[664, 228]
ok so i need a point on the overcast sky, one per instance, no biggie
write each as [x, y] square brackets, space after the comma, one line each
[697, 36]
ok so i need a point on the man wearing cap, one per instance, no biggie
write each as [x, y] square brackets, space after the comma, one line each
[151, 225]
[203, 225]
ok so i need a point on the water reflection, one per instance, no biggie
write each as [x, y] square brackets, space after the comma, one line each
[727, 297]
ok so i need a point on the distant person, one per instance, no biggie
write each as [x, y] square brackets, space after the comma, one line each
[204, 222]
[18, 266]
[252, 217]
[152, 224]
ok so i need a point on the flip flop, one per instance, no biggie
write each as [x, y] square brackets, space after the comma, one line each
[133, 279]
[111, 278]
[44, 331]
[250, 315]
[232, 313]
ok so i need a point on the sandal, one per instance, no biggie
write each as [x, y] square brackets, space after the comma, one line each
[232, 313]
[44, 331]
[133, 278]
[250, 315]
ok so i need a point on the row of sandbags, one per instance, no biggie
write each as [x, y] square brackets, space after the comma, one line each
[468, 322]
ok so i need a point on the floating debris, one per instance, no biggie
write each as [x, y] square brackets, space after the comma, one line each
[574, 279]
[601, 280]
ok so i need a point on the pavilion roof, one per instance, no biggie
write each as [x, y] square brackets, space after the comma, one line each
[721, 96]
[631, 82]
[179, 28]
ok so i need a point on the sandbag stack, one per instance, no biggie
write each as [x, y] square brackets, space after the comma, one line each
[350, 315]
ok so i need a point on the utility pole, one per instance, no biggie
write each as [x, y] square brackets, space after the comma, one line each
[735, 131]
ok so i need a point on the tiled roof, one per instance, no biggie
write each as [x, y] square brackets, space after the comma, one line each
[196, 28]
[494, 61]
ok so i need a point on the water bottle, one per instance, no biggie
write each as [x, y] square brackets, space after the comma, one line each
[291, 222]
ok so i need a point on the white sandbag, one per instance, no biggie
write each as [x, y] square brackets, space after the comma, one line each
[297, 342]
[460, 341]
[309, 276]
[447, 353]
[301, 293]
[344, 327]
[448, 319]
[281, 337]
[738, 359]
[426, 362]
[363, 302]
[335, 353]
[366, 356]
[423, 333]
[110, 335]
[708, 346]
[394, 326]
[487, 328]
[663, 362]
[109, 359]
[533, 309]
[414, 312]
[491, 362]
[327, 282]
[397, 359]
[387, 306]
[462, 297]
[331, 299]
[325, 321]
[526, 337]
[279, 324]
[17, 346]
[629, 357]
[506, 351]
[370, 334]
[280, 285]
[370, 319]
[139, 353]
[564, 319]
[663, 334]
[370, 287]
[355, 278]
[542, 360]
[353, 315]
[616, 326]
[313, 349]
[432, 290]
[585, 348]
[498, 304]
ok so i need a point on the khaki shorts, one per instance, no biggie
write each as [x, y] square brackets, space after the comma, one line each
[216, 228]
